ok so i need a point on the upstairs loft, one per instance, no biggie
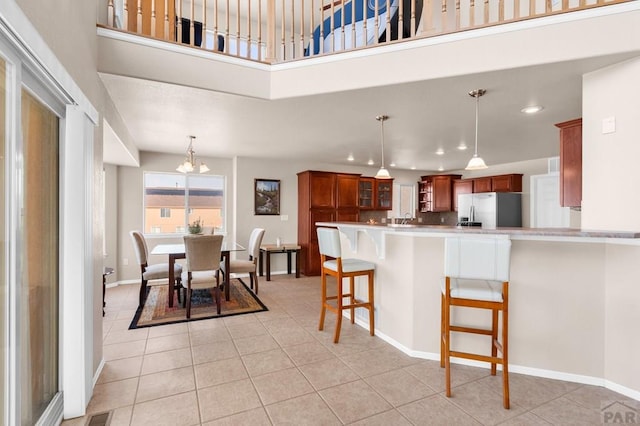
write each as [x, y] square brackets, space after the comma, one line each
[259, 48]
[271, 31]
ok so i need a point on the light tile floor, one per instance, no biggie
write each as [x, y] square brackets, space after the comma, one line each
[275, 367]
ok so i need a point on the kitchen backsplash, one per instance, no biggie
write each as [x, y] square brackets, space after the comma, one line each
[444, 218]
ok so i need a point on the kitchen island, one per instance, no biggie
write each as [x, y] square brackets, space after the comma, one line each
[574, 298]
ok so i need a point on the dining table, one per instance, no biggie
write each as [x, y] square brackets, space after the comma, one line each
[177, 251]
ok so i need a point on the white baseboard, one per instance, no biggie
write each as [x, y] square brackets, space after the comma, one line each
[529, 371]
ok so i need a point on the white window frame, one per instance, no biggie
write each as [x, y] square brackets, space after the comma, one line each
[188, 210]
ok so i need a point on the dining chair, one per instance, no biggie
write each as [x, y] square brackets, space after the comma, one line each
[156, 271]
[476, 273]
[203, 253]
[248, 266]
[332, 263]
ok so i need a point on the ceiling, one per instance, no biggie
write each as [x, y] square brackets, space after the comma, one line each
[424, 117]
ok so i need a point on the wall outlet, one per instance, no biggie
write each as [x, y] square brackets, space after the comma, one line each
[442, 220]
[125, 261]
[383, 220]
[419, 220]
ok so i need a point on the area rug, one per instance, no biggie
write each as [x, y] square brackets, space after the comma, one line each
[156, 310]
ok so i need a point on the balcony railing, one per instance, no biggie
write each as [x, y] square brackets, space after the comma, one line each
[275, 31]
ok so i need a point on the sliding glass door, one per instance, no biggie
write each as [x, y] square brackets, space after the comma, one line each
[39, 284]
[4, 315]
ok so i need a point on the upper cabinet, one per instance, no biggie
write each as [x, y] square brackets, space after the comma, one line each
[375, 194]
[435, 193]
[384, 194]
[366, 193]
[482, 184]
[347, 191]
[499, 183]
[461, 186]
[570, 163]
[506, 183]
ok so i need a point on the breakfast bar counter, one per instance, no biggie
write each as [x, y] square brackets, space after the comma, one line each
[574, 297]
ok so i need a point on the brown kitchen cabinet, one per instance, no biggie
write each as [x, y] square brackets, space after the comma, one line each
[482, 184]
[375, 194]
[323, 197]
[435, 193]
[570, 163]
[461, 186]
[384, 194]
[506, 183]
[366, 193]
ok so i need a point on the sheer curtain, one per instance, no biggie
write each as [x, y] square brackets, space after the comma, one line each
[39, 292]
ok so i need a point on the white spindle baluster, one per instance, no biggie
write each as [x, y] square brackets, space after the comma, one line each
[259, 30]
[110, 13]
[342, 41]
[333, 27]
[139, 18]
[301, 46]
[203, 45]
[237, 28]
[387, 30]
[364, 23]
[179, 20]
[249, 41]
[353, 25]
[400, 19]
[153, 18]
[166, 20]
[226, 31]
[192, 25]
[125, 16]
[293, 43]
[321, 39]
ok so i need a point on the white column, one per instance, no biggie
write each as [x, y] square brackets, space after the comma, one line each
[76, 254]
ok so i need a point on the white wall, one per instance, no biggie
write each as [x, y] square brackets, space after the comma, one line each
[610, 195]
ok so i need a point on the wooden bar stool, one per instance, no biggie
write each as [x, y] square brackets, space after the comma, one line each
[333, 264]
[477, 276]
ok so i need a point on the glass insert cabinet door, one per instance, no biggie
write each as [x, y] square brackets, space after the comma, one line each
[384, 191]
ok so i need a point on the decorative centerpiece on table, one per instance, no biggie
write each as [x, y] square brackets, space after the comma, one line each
[195, 227]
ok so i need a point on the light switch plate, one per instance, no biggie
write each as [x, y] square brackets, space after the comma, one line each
[284, 217]
[608, 125]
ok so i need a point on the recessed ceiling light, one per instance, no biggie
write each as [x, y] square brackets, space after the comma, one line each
[413, 167]
[370, 162]
[532, 109]
[392, 165]
[440, 151]
[441, 169]
[350, 157]
[462, 147]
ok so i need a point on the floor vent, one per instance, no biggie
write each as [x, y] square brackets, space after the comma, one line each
[102, 419]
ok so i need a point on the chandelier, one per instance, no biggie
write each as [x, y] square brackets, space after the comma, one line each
[189, 164]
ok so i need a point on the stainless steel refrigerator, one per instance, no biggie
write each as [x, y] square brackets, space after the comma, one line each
[490, 209]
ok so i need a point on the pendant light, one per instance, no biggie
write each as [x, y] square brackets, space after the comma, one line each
[382, 172]
[476, 163]
[189, 164]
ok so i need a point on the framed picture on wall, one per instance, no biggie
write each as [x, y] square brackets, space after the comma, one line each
[267, 197]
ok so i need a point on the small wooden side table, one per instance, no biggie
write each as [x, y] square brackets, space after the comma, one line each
[107, 271]
[270, 249]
